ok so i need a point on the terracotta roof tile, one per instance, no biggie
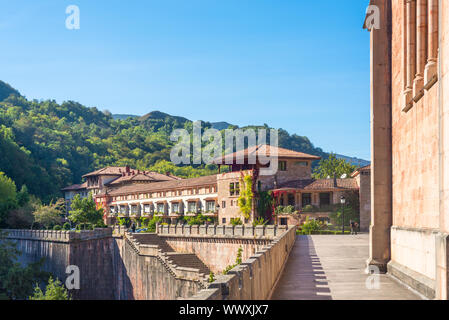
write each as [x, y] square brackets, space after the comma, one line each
[143, 177]
[321, 184]
[75, 187]
[114, 171]
[357, 172]
[266, 150]
[166, 185]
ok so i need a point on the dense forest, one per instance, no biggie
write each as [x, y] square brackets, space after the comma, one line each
[46, 146]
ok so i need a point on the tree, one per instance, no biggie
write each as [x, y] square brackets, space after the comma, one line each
[245, 200]
[50, 215]
[8, 197]
[23, 197]
[351, 209]
[16, 282]
[330, 167]
[85, 211]
[55, 290]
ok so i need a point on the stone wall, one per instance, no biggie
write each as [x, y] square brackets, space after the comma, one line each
[256, 277]
[110, 267]
[119, 267]
[415, 173]
[90, 251]
[217, 246]
[364, 183]
[143, 272]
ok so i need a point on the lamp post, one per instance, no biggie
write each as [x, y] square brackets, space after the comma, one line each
[342, 201]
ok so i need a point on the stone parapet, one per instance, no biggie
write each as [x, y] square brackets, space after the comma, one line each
[57, 235]
[222, 231]
[256, 277]
[156, 251]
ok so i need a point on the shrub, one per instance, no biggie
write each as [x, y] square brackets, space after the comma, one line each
[84, 226]
[311, 225]
[285, 210]
[55, 290]
[66, 226]
[238, 261]
[260, 222]
[57, 227]
[309, 208]
[211, 277]
[236, 221]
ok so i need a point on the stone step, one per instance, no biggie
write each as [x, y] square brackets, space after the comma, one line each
[152, 239]
[189, 260]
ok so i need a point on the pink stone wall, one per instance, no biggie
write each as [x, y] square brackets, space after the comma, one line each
[414, 144]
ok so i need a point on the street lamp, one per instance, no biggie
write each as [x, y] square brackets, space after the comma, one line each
[343, 201]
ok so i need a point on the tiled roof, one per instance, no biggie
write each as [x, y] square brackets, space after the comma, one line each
[266, 150]
[75, 187]
[113, 171]
[143, 177]
[321, 184]
[166, 185]
[357, 172]
[324, 184]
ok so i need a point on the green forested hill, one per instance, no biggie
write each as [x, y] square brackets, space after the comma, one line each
[46, 146]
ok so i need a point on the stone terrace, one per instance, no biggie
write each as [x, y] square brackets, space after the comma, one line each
[333, 268]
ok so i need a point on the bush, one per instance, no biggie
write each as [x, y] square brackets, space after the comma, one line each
[285, 210]
[321, 232]
[197, 220]
[57, 227]
[236, 221]
[259, 222]
[55, 290]
[84, 226]
[311, 225]
[66, 226]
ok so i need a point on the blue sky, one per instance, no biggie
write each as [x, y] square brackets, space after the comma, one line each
[299, 65]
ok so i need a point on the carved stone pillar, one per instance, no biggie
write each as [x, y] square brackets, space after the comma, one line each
[381, 144]
[411, 52]
[421, 48]
[431, 70]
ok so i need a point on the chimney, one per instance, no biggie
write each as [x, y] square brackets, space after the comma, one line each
[335, 180]
[127, 168]
[167, 173]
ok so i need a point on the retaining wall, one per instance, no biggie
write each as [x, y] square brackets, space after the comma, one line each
[217, 246]
[256, 277]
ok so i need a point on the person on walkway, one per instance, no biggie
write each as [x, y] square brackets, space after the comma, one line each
[353, 227]
[133, 227]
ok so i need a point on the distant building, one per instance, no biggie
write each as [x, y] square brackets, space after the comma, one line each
[124, 192]
[71, 191]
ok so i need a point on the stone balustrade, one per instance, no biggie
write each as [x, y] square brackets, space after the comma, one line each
[256, 277]
[58, 235]
[179, 272]
[226, 231]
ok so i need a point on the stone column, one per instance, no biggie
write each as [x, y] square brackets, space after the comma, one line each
[381, 144]
[421, 48]
[431, 71]
[411, 52]
[441, 44]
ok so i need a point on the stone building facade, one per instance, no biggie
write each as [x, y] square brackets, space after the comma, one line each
[363, 180]
[409, 131]
[124, 192]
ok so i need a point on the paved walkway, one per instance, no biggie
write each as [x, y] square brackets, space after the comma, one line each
[332, 268]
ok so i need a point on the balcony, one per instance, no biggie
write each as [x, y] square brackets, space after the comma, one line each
[210, 213]
[175, 215]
